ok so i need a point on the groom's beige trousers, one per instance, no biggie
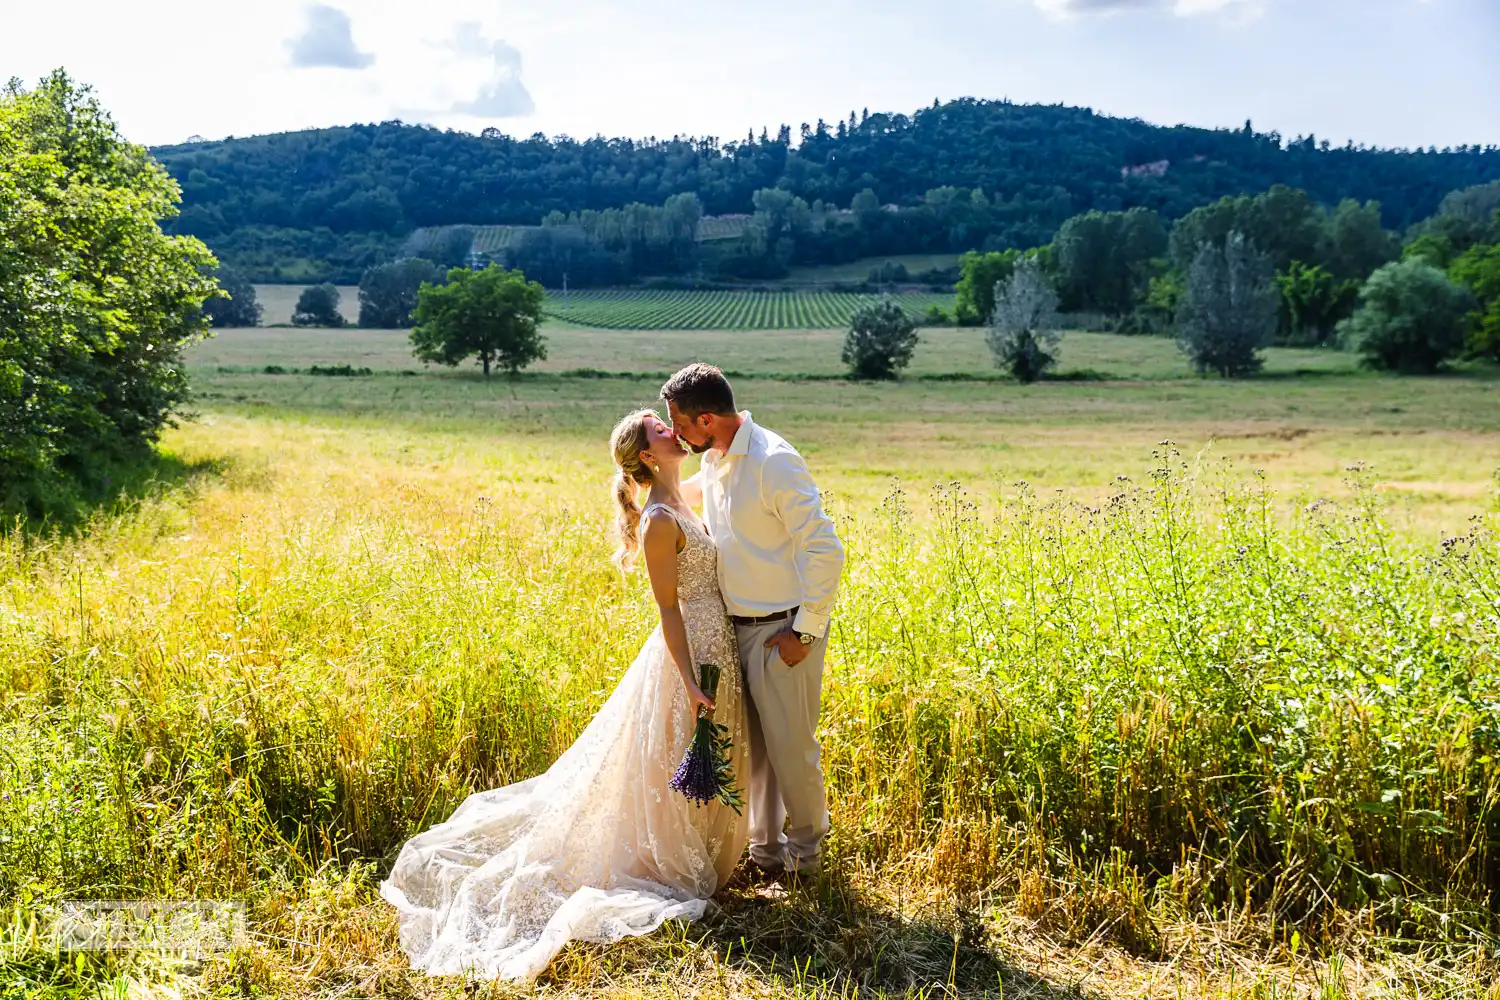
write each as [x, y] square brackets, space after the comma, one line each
[786, 768]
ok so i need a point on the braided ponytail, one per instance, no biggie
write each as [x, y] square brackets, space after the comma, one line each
[626, 443]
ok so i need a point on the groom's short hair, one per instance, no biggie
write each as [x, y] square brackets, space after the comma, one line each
[700, 388]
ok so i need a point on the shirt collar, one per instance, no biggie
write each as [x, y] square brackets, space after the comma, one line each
[741, 443]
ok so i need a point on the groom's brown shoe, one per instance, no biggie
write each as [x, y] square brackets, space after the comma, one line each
[765, 874]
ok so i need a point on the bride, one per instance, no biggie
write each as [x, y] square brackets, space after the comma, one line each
[598, 848]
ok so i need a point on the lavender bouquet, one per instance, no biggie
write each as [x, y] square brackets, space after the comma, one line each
[704, 774]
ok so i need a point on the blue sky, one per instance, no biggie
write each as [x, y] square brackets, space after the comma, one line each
[1381, 72]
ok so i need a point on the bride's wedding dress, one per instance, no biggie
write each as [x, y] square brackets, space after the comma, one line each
[598, 848]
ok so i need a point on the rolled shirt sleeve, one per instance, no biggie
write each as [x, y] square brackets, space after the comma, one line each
[792, 494]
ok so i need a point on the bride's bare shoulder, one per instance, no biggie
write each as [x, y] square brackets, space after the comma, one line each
[660, 531]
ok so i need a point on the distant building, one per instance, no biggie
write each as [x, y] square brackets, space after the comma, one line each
[1157, 168]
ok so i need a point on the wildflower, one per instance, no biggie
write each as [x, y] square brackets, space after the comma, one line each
[704, 775]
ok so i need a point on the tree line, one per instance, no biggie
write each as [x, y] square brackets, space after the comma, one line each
[1246, 272]
[325, 204]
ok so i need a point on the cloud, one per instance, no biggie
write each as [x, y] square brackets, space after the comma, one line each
[328, 40]
[1182, 8]
[502, 94]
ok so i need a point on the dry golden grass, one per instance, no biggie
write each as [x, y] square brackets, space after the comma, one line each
[370, 595]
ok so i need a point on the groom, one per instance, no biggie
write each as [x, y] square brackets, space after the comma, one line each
[779, 566]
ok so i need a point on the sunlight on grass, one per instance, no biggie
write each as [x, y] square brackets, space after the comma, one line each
[1128, 737]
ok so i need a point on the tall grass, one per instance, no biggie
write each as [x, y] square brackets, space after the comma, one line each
[1181, 700]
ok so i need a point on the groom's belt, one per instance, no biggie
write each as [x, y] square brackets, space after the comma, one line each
[774, 616]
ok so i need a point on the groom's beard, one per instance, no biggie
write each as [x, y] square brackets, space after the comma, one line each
[698, 449]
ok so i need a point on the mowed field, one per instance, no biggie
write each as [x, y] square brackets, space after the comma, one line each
[1104, 717]
[278, 302]
[1431, 444]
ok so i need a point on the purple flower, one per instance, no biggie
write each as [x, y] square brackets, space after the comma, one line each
[705, 775]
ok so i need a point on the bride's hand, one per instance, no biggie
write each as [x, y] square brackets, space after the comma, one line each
[699, 701]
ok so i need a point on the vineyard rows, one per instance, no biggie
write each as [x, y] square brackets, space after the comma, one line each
[722, 310]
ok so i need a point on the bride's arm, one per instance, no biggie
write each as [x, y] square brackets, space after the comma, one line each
[659, 536]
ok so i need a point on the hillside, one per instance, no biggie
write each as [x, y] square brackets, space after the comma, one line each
[327, 202]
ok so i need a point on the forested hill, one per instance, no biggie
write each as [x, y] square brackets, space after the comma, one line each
[361, 187]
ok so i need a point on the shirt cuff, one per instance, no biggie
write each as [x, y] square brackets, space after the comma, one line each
[812, 624]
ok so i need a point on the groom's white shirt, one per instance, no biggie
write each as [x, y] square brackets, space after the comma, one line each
[777, 549]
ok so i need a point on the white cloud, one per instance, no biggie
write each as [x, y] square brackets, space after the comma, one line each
[502, 94]
[327, 40]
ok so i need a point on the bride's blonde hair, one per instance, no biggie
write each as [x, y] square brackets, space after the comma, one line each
[626, 443]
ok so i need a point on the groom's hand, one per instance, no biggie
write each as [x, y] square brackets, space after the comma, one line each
[788, 647]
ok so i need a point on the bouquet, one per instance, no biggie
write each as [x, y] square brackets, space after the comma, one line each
[704, 774]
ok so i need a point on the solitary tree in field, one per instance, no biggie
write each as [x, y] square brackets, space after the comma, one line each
[1228, 308]
[318, 306]
[491, 314]
[880, 341]
[1023, 333]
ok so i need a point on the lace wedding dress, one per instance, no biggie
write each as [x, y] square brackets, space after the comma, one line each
[598, 848]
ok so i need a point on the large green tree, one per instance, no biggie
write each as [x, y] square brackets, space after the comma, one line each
[1284, 223]
[1354, 243]
[1104, 259]
[96, 304]
[1410, 319]
[493, 315]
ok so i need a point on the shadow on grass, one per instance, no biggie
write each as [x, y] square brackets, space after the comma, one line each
[818, 940]
[79, 501]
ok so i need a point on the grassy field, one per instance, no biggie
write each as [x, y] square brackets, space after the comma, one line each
[657, 309]
[1197, 732]
[278, 302]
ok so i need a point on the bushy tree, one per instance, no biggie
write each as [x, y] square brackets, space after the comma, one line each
[1410, 318]
[388, 292]
[493, 314]
[1104, 259]
[1283, 223]
[318, 306]
[888, 273]
[1023, 332]
[1478, 269]
[237, 307]
[1312, 303]
[554, 254]
[1354, 243]
[96, 304]
[974, 298]
[880, 340]
[1228, 308]
[451, 247]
